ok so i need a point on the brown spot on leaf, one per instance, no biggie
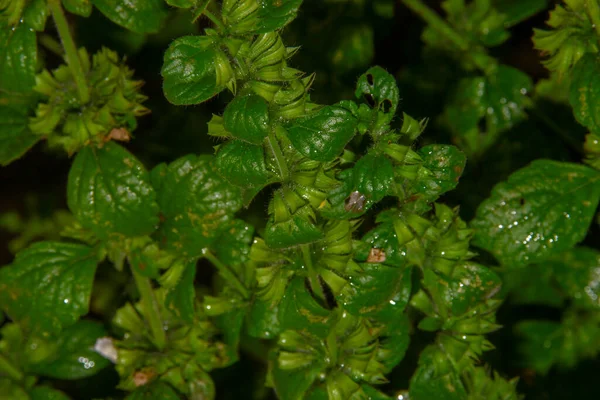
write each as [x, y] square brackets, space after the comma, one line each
[376, 256]
[142, 377]
[119, 134]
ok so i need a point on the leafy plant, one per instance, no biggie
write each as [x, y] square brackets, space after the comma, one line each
[314, 245]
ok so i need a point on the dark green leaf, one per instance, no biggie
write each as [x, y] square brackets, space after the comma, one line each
[275, 15]
[46, 393]
[541, 341]
[373, 176]
[182, 3]
[233, 245]
[577, 274]
[323, 134]
[292, 384]
[191, 69]
[356, 48]
[35, 14]
[532, 284]
[48, 286]
[247, 118]
[379, 89]
[181, 299]
[584, 92]
[443, 167]
[428, 383]
[15, 136]
[109, 192]
[262, 320]
[18, 58]
[541, 210]
[153, 391]
[298, 310]
[141, 16]
[243, 164]
[299, 229]
[482, 108]
[79, 7]
[75, 357]
[194, 202]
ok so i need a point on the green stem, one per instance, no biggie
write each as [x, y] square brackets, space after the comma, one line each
[229, 275]
[594, 13]
[313, 277]
[7, 368]
[152, 310]
[278, 154]
[51, 44]
[213, 18]
[71, 54]
[483, 61]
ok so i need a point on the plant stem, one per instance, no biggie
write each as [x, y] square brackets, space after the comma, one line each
[213, 18]
[7, 368]
[278, 154]
[483, 61]
[71, 54]
[594, 13]
[313, 277]
[151, 306]
[227, 273]
[51, 44]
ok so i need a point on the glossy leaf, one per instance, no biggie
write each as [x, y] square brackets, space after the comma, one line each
[79, 7]
[75, 357]
[584, 92]
[379, 89]
[275, 15]
[247, 118]
[48, 286]
[443, 165]
[194, 202]
[181, 299]
[15, 136]
[539, 211]
[482, 108]
[262, 320]
[515, 11]
[191, 70]
[109, 192]
[243, 164]
[18, 58]
[182, 3]
[430, 382]
[323, 134]
[35, 14]
[141, 16]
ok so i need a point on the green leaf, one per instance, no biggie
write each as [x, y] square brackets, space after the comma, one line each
[379, 89]
[109, 192]
[243, 164]
[18, 58]
[322, 135]
[274, 15]
[373, 176]
[153, 391]
[577, 275]
[181, 299]
[584, 92]
[541, 340]
[48, 286]
[182, 3]
[141, 16]
[262, 320]
[15, 136]
[247, 118]
[79, 7]
[233, 245]
[75, 357]
[541, 210]
[356, 48]
[46, 393]
[35, 14]
[443, 166]
[484, 107]
[299, 310]
[515, 11]
[292, 384]
[430, 382]
[194, 70]
[194, 202]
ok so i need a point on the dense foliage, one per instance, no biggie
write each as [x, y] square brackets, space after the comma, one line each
[331, 244]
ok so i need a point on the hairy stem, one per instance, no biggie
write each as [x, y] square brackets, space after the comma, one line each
[7, 368]
[278, 154]
[226, 272]
[483, 61]
[152, 310]
[71, 54]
